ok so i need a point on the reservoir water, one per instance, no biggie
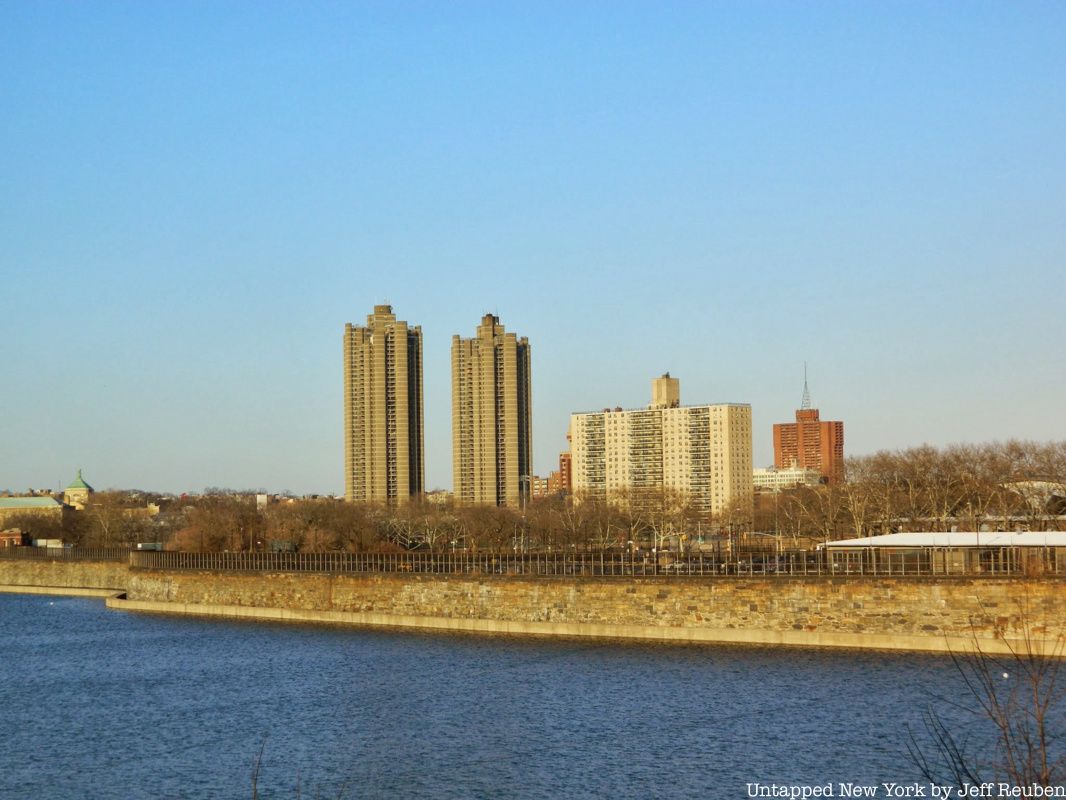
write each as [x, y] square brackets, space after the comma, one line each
[101, 704]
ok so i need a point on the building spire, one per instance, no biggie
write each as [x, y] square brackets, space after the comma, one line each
[806, 403]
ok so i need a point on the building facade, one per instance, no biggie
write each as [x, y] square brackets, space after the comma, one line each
[29, 506]
[559, 480]
[383, 418]
[775, 480]
[702, 452]
[810, 442]
[492, 426]
[538, 487]
[665, 392]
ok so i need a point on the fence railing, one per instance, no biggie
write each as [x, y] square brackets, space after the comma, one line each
[605, 564]
[65, 553]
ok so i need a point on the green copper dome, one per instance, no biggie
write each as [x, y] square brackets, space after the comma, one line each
[79, 483]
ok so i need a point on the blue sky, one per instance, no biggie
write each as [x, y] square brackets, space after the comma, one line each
[195, 197]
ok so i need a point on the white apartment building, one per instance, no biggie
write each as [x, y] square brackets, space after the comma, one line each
[774, 480]
[703, 452]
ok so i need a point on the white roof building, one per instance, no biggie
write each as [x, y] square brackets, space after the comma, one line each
[956, 539]
[955, 552]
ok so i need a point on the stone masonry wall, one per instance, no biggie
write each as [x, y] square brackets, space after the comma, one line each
[64, 574]
[903, 607]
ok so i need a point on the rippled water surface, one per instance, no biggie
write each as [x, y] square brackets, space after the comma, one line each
[102, 704]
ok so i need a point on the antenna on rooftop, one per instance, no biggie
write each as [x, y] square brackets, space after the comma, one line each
[806, 402]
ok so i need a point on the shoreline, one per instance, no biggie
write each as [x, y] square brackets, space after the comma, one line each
[59, 591]
[900, 615]
[636, 633]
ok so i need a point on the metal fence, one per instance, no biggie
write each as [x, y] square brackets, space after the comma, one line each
[605, 564]
[65, 553]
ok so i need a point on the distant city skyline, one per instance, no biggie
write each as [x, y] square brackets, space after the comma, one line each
[197, 198]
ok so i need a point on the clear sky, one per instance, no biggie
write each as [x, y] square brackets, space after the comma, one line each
[196, 196]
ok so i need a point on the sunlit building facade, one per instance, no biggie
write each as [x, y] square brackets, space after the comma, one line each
[704, 453]
[383, 417]
[810, 442]
[492, 425]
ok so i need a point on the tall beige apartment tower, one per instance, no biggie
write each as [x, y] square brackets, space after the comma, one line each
[492, 442]
[383, 434]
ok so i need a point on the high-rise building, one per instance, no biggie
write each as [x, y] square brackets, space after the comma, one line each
[702, 452]
[492, 443]
[383, 434]
[810, 442]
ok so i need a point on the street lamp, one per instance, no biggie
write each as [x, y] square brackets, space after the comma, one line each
[527, 480]
[522, 497]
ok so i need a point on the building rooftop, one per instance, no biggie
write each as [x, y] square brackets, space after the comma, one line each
[620, 410]
[27, 502]
[665, 396]
[79, 483]
[958, 539]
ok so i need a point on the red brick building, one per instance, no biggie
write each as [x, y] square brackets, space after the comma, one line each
[12, 537]
[810, 442]
[559, 482]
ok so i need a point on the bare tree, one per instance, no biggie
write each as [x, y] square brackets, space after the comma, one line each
[1019, 706]
[221, 522]
[606, 528]
[488, 527]
[823, 507]
[859, 497]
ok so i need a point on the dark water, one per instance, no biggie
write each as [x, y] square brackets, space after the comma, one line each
[102, 704]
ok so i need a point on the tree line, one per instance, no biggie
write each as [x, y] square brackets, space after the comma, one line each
[998, 486]
[994, 486]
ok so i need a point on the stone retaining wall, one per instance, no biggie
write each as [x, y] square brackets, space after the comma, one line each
[60, 574]
[893, 613]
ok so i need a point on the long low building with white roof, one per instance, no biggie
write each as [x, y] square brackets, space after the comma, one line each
[996, 552]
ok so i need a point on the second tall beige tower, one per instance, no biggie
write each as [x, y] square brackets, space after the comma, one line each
[491, 416]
